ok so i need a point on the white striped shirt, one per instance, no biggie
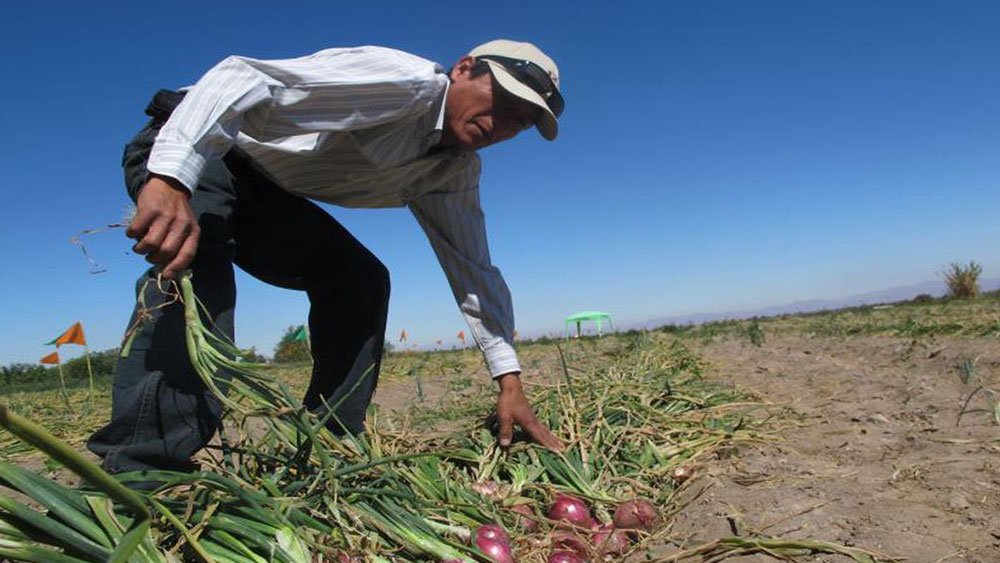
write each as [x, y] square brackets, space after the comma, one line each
[352, 127]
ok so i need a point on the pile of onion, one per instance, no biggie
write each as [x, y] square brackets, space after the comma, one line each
[581, 537]
[606, 539]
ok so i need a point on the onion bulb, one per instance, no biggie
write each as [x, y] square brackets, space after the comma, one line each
[570, 509]
[493, 541]
[636, 514]
[569, 542]
[609, 540]
[526, 517]
[565, 557]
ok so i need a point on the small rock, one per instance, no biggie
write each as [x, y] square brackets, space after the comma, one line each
[958, 502]
[878, 418]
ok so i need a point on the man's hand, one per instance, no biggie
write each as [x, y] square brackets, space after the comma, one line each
[165, 226]
[513, 408]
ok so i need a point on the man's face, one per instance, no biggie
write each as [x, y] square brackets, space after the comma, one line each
[478, 112]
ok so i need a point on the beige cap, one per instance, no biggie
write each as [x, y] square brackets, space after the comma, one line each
[526, 72]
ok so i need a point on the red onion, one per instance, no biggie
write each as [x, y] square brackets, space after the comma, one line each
[636, 514]
[492, 532]
[570, 509]
[609, 540]
[567, 541]
[493, 541]
[526, 517]
[565, 557]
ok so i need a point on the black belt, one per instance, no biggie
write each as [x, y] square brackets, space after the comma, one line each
[162, 105]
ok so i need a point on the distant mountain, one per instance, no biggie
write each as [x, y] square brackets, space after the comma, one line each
[891, 295]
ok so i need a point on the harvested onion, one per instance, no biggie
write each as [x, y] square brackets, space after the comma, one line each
[609, 540]
[494, 542]
[569, 542]
[570, 509]
[565, 557]
[636, 514]
[526, 517]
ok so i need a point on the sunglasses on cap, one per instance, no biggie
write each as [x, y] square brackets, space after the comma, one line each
[534, 77]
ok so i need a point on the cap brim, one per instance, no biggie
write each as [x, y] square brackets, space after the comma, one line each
[547, 123]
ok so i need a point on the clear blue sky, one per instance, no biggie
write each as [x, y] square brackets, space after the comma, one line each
[713, 155]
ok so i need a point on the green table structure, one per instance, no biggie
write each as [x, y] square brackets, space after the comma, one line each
[597, 317]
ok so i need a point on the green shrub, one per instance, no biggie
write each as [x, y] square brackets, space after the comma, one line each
[102, 363]
[292, 349]
[37, 377]
[755, 333]
[20, 373]
[963, 281]
[251, 355]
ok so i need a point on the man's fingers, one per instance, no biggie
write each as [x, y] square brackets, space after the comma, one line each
[184, 256]
[140, 224]
[540, 434]
[152, 240]
[172, 243]
[506, 429]
[549, 440]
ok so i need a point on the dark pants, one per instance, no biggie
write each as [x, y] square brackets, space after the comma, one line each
[161, 412]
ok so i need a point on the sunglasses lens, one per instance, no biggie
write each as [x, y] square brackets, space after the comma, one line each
[535, 77]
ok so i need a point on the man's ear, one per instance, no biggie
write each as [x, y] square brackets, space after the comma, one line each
[463, 67]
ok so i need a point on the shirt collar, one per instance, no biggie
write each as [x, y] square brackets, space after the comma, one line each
[439, 125]
[435, 135]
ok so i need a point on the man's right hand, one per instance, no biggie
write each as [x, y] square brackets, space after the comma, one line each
[165, 226]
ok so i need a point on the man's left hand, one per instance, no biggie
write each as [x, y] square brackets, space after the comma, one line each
[513, 408]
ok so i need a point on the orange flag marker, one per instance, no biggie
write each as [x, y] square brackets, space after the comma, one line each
[73, 335]
[52, 358]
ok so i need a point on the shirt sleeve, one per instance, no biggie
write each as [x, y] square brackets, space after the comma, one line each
[455, 225]
[332, 90]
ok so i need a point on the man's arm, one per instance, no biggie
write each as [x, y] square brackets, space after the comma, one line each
[332, 90]
[455, 226]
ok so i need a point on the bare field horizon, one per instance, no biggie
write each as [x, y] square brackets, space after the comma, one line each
[883, 425]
